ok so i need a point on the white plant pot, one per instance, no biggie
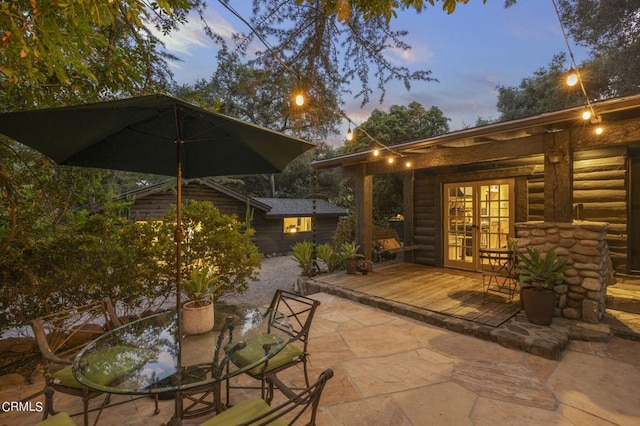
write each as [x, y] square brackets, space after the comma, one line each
[197, 319]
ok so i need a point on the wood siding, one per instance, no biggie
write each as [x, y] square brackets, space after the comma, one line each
[268, 236]
[599, 195]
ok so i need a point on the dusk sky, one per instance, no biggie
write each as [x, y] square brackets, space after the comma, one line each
[470, 52]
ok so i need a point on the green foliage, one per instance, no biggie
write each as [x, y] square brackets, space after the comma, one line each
[328, 254]
[350, 250]
[303, 252]
[202, 285]
[213, 240]
[386, 9]
[345, 231]
[63, 52]
[541, 271]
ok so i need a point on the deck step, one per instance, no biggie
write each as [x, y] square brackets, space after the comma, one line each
[624, 297]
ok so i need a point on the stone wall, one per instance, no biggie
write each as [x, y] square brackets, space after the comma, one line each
[583, 295]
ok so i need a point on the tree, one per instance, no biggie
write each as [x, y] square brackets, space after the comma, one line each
[381, 8]
[609, 28]
[544, 91]
[400, 124]
[65, 52]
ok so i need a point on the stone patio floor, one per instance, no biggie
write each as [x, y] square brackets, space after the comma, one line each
[393, 370]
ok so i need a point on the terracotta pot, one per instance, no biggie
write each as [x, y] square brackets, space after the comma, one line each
[539, 305]
[352, 266]
[197, 319]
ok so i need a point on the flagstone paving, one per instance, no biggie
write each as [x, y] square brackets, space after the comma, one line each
[391, 370]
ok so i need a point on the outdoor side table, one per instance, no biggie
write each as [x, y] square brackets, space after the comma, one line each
[148, 357]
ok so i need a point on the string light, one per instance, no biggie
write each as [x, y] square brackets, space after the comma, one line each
[299, 99]
[349, 133]
[572, 77]
[376, 152]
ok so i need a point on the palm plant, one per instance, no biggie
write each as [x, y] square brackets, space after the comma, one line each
[541, 271]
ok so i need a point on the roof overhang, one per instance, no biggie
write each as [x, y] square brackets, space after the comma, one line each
[549, 122]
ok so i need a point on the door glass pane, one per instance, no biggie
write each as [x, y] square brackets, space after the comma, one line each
[494, 215]
[460, 217]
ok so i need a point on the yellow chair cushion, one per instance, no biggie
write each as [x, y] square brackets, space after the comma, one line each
[254, 350]
[107, 365]
[242, 413]
[60, 419]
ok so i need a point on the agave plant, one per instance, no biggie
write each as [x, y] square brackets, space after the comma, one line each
[329, 256]
[541, 271]
[201, 286]
[303, 252]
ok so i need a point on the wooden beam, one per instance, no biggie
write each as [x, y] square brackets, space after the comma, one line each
[407, 201]
[442, 156]
[616, 133]
[558, 178]
[364, 209]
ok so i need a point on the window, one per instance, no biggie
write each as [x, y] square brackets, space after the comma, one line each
[296, 224]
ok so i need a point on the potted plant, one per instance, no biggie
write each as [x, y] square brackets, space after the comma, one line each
[198, 312]
[538, 276]
[351, 255]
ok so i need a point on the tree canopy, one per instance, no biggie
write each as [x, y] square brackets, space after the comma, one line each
[609, 29]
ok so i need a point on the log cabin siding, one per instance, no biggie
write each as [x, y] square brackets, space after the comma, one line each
[600, 187]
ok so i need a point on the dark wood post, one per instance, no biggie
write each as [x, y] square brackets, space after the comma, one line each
[407, 207]
[364, 209]
[558, 177]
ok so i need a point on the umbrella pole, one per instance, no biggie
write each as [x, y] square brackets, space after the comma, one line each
[179, 234]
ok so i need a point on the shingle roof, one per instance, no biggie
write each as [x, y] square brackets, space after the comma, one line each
[300, 207]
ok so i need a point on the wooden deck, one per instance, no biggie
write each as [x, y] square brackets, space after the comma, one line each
[447, 291]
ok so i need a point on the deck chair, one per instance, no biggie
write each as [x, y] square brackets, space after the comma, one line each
[60, 337]
[300, 311]
[301, 406]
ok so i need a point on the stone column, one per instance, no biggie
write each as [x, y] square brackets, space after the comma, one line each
[583, 295]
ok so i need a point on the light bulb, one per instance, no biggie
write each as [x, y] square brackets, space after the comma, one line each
[299, 99]
[586, 115]
[390, 160]
[349, 134]
[407, 164]
[599, 130]
[572, 78]
[376, 152]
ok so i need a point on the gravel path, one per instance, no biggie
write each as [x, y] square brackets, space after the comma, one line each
[276, 272]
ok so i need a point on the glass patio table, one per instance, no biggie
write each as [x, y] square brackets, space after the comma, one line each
[147, 357]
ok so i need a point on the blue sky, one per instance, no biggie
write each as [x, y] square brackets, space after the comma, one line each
[470, 52]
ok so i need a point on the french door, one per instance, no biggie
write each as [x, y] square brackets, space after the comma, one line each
[477, 215]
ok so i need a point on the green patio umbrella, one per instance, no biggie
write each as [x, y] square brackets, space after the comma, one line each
[153, 134]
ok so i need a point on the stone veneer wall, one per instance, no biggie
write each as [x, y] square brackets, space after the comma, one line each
[583, 295]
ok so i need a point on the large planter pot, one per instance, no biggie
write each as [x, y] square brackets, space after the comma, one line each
[197, 319]
[539, 305]
[352, 266]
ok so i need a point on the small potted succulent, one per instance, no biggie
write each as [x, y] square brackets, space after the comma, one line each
[350, 252]
[200, 289]
[538, 276]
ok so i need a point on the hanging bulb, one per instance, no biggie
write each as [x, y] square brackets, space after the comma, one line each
[586, 115]
[407, 164]
[299, 99]
[349, 133]
[390, 160]
[572, 77]
[376, 152]
[599, 130]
